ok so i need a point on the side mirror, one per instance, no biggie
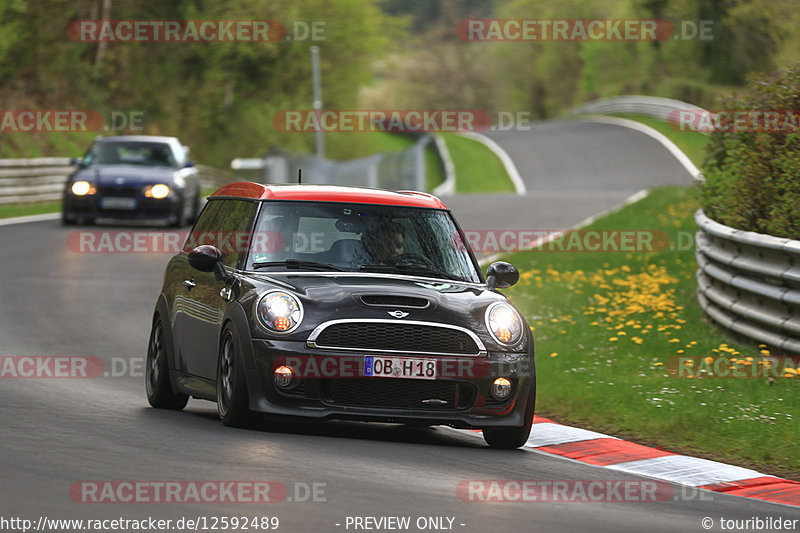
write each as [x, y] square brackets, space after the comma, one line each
[188, 164]
[501, 275]
[207, 258]
[76, 161]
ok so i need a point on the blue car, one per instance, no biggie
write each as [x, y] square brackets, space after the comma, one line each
[133, 178]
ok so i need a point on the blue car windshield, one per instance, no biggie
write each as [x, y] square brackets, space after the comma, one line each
[151, 154]
[360, 238]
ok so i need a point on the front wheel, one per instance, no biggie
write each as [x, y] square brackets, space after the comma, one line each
[159, 388]
[512, 437]
[232, 402]
[196, 207]
[180, 215]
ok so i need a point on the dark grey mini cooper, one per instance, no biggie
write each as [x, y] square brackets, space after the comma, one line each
[340, 303]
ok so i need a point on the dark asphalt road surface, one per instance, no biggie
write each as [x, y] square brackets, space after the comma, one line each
[572, 170]
[58, 432]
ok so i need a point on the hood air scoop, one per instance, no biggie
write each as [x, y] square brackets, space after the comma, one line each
[394, 301]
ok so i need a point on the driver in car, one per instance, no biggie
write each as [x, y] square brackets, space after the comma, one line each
[385, 242]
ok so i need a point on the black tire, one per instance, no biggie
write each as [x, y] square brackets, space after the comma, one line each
[67, 221]
[196, 208]
[512, 437]
[180, 215]
[232, 401]
[159, 387]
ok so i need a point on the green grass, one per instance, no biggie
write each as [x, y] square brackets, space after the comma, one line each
[478, 170]
[692, 143]
[18, 210]
[434, 170]
[601, 359]
[354, 145]
[45, 144]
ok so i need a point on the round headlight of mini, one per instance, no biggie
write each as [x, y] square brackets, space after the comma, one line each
[82, 188]
[279, 312]
[504, 323]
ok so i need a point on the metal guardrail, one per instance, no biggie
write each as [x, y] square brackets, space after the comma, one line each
[386, 170]
[32, 180]
[749, 283]
[650, 106]
[42, 179]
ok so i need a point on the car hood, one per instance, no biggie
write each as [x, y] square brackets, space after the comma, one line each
[331, 296]
[125, 174]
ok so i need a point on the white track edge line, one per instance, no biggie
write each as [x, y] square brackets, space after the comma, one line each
[682, 158]
[508, 163]
[29, 218]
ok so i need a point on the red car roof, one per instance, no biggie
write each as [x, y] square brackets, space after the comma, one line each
[329, 193]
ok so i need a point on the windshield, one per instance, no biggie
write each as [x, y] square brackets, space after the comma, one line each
[360, 238]
[151, 154]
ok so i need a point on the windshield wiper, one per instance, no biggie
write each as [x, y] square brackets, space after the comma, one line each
[418, 269]
[296, 263]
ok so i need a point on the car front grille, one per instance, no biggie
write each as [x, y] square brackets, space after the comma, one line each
[391, 393]
[120, 192]
[395, 337]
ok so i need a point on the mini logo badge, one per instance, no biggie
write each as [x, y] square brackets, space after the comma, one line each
[398, 314]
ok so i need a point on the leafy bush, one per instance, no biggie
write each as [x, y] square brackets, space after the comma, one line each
[753, 177]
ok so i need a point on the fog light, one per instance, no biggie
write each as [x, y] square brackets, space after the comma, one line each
[284, 377]
[501, 388]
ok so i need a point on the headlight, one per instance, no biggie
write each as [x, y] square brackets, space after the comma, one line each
[279, 312]
[504, 323]
[157, 191]
[82, 188]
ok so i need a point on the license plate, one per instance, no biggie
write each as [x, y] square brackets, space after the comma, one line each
[118, 203]
[399, 367]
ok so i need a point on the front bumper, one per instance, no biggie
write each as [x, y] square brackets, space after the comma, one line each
[331, 385]
[90, 207]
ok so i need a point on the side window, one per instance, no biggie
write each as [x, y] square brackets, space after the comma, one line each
[226, 224]
[206, 227]
[236, 226]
